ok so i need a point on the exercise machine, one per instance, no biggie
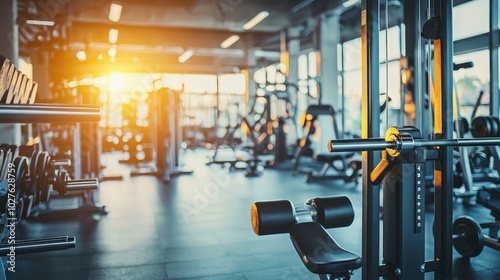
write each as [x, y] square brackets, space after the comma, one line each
[401, 166]
[267, 137]
[320, 124]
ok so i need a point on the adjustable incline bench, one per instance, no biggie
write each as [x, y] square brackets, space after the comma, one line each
[317, 249]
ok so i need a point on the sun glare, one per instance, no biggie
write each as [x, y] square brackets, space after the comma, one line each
[117, 82]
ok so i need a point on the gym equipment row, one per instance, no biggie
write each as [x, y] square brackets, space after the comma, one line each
[265, 130]
[482, 126]
[15, 87]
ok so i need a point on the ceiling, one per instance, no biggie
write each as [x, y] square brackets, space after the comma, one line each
[153, 33]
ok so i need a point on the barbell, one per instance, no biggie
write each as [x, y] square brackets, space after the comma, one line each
[398, 139]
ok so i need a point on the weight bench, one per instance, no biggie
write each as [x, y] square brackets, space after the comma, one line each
[320, 253]
[322, 127]
[306, 225]
[489, 197]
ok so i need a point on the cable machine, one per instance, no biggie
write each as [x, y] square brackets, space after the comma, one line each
[400, 169]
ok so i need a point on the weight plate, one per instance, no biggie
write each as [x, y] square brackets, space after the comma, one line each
[61, 180]
[496, 124]
[6, 160]
[21, 168]
[470, 241]
[481, 127]
[463, 126]
[42, 176]
[21, 172]
[489, 122]
[33, 184]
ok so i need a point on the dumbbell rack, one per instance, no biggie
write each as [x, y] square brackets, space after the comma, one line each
[40, 113]
[17, 97]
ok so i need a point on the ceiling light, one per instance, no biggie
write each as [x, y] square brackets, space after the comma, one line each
[115, 12]
[113, 36]
[301, 5]
[81, 55]
[349, 3]
[256, 20]
[229, 41]
[40, 22]
[185, 56]
[112, 51]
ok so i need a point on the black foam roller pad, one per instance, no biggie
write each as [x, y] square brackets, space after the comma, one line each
[271, 217]
[334, 211]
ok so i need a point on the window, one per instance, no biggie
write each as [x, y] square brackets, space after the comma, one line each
[470, 82]
[232, 83]
[471, 18]
[352, 54]
[200, 83]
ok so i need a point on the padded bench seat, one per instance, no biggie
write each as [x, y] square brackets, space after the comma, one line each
[319, 252]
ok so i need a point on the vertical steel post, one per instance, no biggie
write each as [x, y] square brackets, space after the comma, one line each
[443, 127]
[370, 17]
[494, 41]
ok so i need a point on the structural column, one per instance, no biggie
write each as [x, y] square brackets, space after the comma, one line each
[251, 61]
[293, 48]
[40, 62]
[328, 41]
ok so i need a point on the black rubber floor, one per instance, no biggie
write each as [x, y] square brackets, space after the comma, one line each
[198, 227]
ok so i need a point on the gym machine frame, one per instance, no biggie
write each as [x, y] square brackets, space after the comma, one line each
[402, 169]
[403, 160]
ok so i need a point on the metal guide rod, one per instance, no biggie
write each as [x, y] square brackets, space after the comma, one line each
[379, 144]
[40, 245]
[31, 113]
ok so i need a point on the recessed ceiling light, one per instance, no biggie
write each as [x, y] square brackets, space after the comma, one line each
[229, 41]
[115, 12]
[185, 56]
[113, 36]
[81, 55]
[255, 20]
[112, 51]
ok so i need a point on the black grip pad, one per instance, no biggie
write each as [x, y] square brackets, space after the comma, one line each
[319, 252]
